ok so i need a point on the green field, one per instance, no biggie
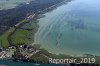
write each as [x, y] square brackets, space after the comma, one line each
[20, 37]
[4, 38]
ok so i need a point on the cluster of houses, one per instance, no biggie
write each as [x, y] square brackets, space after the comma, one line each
[6, 53]
[25, 50]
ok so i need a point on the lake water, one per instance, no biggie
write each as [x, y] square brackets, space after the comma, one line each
[11, 63]
[8, 4]
[72, 28]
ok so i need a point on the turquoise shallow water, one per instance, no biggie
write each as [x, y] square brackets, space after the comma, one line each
[11, 63]
[72, 28]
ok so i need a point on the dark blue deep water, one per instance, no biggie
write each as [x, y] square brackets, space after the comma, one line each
[11, 63]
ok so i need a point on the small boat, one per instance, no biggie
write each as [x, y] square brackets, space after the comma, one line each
[37, 64]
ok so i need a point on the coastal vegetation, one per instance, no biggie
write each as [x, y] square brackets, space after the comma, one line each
[4, 38]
